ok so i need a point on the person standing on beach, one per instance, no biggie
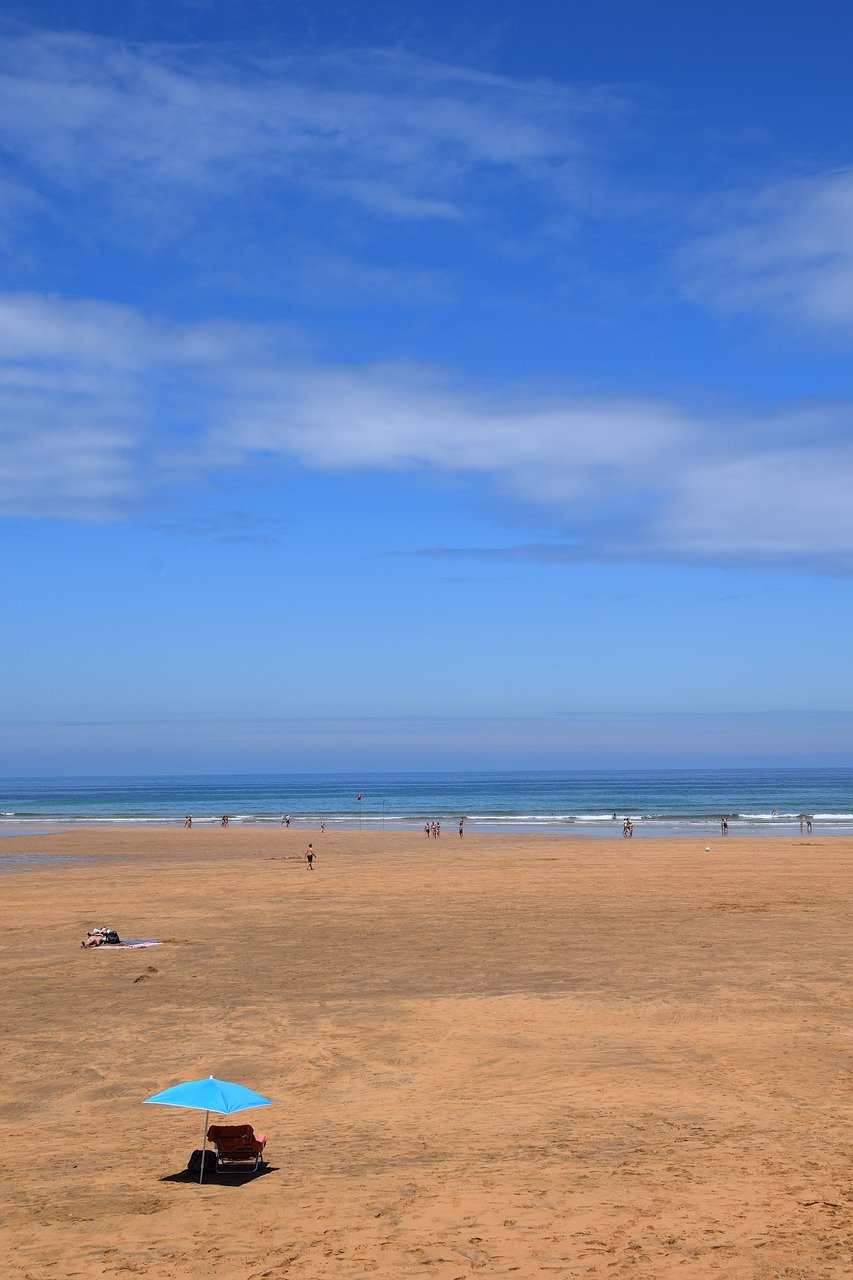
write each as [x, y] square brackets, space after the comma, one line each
[322, 825]
[724, 826]
[426, 830]
[188, 820]
[461, 827]
[310, 856]
[224, 822]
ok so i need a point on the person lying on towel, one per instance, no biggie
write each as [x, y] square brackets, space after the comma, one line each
[101, 938]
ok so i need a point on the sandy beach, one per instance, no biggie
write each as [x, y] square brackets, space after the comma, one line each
[507, 1055]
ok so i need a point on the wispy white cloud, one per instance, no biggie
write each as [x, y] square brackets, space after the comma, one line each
[399, 136]
[225, 527]
[787, 250]
[101, 407]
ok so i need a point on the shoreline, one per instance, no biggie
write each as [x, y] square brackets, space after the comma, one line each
[660, 803]
[644, 829]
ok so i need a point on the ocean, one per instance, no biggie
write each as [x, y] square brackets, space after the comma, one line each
[676, 801]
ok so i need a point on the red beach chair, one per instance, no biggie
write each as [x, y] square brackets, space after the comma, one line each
[236, 1144]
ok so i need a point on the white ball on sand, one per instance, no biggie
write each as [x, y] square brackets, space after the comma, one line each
[707, 848]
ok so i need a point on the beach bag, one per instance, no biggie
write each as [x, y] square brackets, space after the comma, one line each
[194, 1164]
[111, 937]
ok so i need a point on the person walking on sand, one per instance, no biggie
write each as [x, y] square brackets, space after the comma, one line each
[310, 855]
[426, 830]
[322, 825]
[224, 822]
[188, 820]
[461, 827]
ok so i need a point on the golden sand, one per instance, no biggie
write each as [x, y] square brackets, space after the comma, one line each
[501, 1056]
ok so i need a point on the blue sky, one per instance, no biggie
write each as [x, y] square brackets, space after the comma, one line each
[425, 385]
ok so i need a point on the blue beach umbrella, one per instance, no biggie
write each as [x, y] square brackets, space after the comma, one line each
[209, 1095]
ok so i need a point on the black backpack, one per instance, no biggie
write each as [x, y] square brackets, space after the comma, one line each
[194, 1163]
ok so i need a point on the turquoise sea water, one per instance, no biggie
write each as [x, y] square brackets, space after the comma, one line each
[658, 801]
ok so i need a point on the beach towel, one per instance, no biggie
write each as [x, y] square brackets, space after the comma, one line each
[129, 945]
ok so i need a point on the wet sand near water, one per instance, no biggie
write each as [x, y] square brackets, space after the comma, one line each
[507, 1055]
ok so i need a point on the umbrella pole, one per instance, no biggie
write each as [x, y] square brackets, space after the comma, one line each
[203, 1145]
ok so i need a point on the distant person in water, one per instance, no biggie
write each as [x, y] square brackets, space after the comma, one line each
[808, 826]
[310, 856]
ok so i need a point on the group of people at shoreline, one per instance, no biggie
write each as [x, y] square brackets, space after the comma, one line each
[432, 830]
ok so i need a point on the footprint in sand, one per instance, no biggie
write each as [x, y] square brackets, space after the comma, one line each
[143, 977]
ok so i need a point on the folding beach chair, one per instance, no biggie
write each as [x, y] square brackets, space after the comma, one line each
[236, 1144]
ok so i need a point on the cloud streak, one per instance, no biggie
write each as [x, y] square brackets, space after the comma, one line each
[573, 740]
[399, 137]
[103, 410]
[786, 250]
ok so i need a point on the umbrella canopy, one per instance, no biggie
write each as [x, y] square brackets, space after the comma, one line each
[209, 1095]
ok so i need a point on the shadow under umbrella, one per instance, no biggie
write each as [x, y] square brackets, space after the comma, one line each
[225, 1177]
